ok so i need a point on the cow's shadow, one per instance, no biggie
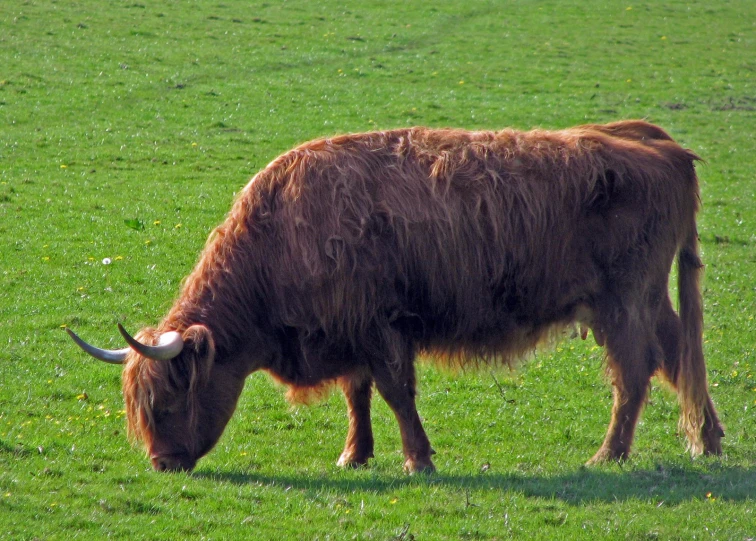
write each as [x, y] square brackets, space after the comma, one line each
[668, 485]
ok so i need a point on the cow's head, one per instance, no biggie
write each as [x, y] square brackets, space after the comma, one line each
[178, 397]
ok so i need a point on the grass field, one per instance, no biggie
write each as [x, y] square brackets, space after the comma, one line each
[125, 130]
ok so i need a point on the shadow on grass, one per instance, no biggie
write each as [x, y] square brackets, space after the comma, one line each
[670, 485]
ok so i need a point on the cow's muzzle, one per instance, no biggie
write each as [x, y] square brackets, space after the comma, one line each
[173, 463]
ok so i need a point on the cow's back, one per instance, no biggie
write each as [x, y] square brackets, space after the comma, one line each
[460, 237]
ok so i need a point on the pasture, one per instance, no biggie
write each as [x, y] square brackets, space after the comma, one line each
[126, 128]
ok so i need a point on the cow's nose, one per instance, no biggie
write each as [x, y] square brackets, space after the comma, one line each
[170, 463]
[161, 463]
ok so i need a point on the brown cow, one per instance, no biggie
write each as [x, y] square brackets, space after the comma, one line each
[347, 256]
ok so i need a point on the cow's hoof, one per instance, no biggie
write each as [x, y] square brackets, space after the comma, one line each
[353, 460]
[413, 466]
[605, 455]
[712, 441]
[712, 450]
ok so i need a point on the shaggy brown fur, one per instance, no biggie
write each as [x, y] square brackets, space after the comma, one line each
[347, 256]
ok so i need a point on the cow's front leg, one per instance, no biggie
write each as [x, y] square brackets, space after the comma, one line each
[619, 437]
[358, 388]
[397, 387]
[633, 356]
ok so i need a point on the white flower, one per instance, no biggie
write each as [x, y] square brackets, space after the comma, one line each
[106, 261]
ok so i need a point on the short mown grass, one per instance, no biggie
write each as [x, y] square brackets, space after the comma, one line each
[127, 127]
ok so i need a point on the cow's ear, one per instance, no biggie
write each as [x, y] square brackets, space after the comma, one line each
[199, 350]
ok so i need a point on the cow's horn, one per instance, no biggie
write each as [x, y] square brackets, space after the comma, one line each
[112, 356]
[169, 345]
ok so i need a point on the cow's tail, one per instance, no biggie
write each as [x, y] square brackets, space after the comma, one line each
[698, 417]
[691, 382]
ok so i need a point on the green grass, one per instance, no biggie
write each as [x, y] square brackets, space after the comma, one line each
[155, 115]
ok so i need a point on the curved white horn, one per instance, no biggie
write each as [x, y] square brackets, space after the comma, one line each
[112, 356]
[169, 345]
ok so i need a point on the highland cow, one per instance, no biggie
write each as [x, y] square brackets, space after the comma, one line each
[347, 256]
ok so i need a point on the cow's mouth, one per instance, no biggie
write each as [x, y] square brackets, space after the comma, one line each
[173, 463]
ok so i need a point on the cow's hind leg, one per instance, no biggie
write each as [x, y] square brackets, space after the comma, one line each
[358, 388]
[394, 376]
[633, 355]
[670, 336]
